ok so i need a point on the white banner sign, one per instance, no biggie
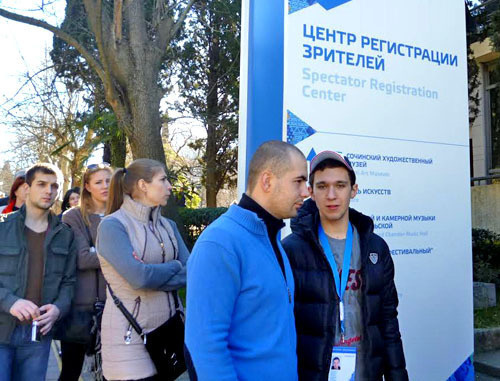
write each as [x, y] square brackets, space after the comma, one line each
[385, 84]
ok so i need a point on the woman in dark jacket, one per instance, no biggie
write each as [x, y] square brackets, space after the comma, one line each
[90, 292]
[70, 199]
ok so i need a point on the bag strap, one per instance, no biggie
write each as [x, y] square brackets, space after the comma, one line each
[176, 300]
[176, 256]
[91, 244]
[135, 325]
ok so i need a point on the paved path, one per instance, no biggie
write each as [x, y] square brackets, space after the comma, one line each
[488, 363]
[485, 377]
[54, 368]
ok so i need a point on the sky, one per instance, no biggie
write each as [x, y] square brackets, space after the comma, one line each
[23, 48]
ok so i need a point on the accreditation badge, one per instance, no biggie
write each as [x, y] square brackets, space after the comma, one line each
[343, 365]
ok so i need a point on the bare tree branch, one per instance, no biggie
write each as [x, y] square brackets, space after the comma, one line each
[182, 17]
[117, 18]
[167, 29]
[59, 33]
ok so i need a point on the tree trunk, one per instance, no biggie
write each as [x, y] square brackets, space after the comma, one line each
[146, 122]
[140, 120]
[106, 152]
[115, 151]
[118, 148]
[212, 118]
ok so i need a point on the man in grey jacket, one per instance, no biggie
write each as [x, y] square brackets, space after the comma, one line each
[37, 277]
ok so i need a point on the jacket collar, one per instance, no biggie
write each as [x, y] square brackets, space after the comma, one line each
[54, 222]
[273, 224]
[139, 211]
[246, 218]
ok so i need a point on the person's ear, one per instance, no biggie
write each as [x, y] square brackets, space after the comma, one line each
[354, 190]
[24, 188]
[266, 180]
[142, 186]
[311, 192]
[27, 189]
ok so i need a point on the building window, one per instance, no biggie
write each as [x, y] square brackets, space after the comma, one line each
[493, 132]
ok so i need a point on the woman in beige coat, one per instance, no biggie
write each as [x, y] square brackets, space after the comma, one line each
[143, 258]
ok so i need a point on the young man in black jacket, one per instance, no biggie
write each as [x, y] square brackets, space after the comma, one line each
[337, 309]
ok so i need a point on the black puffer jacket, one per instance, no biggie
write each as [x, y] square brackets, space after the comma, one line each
[316, 301]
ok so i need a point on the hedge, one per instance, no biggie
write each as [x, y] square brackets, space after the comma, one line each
[196, 220]
[486, 255]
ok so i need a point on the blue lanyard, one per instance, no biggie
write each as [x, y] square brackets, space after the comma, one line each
[340, 284]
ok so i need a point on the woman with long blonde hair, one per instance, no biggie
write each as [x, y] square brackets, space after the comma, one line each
[90, 292]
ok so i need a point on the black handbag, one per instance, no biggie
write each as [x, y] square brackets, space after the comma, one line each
[165, 344]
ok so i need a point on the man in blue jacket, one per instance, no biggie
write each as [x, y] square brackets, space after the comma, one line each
[345, 299]
[239, 322]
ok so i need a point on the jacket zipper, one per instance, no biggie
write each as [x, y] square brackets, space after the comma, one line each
[145, 243]
[49, 237]
[284, 267]
[328, 354]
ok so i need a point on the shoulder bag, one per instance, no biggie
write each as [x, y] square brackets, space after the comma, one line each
[165, 344]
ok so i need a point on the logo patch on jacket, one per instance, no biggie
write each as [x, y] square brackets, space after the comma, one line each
[373, 258]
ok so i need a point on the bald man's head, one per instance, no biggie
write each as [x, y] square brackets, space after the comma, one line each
[274, 156]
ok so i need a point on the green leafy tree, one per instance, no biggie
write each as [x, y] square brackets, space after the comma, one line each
[76, 73]
[209, 87]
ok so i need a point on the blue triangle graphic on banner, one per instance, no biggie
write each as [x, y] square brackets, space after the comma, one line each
[330, 4]
[465, 372]
[296, 129]
[297, 5]
[312, 153]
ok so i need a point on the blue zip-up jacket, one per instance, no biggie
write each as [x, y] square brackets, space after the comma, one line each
[239, 314]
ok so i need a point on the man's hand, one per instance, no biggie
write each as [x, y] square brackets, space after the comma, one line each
[23, 310]
[50, 313]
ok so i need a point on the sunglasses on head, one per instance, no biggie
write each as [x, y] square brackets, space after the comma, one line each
[101, 165]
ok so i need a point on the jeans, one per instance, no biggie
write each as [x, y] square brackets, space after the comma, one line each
[22, 359]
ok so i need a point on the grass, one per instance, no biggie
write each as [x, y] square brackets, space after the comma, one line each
[489, 317]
